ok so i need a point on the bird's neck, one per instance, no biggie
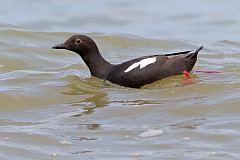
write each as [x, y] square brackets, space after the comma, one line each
[97, 65]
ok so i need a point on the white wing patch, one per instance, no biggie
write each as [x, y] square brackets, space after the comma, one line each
[143, 63]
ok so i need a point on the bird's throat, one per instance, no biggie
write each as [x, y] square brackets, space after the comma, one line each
[97, 65]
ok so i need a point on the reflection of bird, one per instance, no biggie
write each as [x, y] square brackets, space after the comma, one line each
[134, 73]
[90, 98]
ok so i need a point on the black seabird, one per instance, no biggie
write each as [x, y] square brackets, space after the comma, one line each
[133, 73]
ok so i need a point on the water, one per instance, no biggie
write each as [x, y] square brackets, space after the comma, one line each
[52, 109]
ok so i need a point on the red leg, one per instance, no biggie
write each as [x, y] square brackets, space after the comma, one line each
[186, 74]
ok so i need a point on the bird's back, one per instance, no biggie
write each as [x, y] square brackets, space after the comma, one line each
[144, 70]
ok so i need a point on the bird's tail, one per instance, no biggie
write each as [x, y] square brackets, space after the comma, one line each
[191, 59]
[194, 54]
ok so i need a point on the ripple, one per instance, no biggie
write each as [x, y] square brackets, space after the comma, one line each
[50, 102]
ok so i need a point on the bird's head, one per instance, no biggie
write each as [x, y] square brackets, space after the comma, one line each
[79, 44]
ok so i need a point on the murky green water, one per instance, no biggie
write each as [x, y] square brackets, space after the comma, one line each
[52, 109]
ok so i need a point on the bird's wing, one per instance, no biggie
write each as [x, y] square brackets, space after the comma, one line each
[177, 53]
[135, 76]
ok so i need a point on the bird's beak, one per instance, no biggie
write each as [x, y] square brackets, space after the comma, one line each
[59, 46]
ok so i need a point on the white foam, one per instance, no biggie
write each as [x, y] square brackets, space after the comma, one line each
[143, 63]
[151, 133]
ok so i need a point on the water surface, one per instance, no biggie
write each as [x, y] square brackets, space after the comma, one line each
[52, 109]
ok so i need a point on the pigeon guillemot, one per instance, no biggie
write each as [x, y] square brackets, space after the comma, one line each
[134, 73]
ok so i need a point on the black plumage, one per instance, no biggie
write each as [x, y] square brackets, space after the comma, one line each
[130, 73]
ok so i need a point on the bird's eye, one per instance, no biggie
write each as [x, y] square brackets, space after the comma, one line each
[78, 41]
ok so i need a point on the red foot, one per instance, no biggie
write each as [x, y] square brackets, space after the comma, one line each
[207, 71]
[187, 78]
[186, 74]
